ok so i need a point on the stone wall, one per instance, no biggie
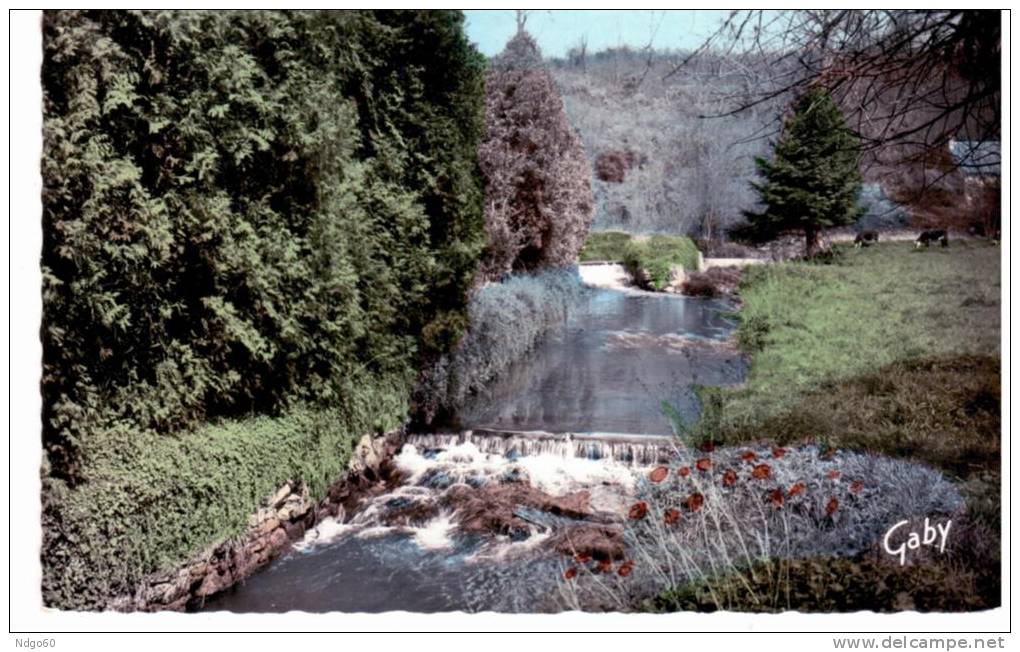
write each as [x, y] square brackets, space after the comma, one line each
[282, 519]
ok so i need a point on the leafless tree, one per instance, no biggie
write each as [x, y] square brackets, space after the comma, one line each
[909, 81]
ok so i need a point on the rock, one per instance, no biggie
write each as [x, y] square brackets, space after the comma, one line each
[278, 539]
[601, 542]
[280, 496]
[436, 479]
[292, 512]
[515, 476]
[295, 530]
[496, 508]
[677, 278]
[214, 583]
[475, 481]
[407, 511]
[268, 525]
[575, 505]
[165, 592]
[284, 516]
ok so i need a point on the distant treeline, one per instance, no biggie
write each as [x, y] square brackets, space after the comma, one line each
[673, 151]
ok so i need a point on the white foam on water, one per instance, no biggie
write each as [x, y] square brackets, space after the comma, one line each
[555, 472]
[561, 475]
[436, 534]
[506, 549]
[327, 531]
[376, 531]
[552, 473]
[411, 462]
[609, 275]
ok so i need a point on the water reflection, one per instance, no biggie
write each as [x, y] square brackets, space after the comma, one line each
[618, 356]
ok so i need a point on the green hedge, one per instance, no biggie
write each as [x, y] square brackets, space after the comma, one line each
[258, 226]
[247, 209]
[153, 502]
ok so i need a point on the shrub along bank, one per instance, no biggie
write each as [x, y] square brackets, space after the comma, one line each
[257, 227]
[507, 320]
[653, 257]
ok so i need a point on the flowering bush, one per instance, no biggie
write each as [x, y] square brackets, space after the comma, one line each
[736, 510]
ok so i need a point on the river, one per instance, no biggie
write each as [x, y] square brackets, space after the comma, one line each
[548, 455]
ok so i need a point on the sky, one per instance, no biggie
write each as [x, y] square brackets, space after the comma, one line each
[558, 30]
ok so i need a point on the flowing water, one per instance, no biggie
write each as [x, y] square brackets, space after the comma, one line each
[609, 368]
[547, 456]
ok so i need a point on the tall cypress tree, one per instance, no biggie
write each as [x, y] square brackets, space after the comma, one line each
[538, 197]
[814, 178]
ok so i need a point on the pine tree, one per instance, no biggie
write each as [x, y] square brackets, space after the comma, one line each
[538, 197]
[814, 178]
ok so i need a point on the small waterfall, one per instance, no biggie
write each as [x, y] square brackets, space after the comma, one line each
[628, 449]
[608, 275]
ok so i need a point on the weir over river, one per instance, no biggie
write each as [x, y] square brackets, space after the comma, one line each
[582, 413]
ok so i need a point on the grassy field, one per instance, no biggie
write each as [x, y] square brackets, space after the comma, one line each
[889, 349]
[656, 254]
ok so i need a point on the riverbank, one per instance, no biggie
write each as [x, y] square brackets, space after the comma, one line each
[883, 350]
[654, 262]
[888, 350]
[154, 503]
[280, 522]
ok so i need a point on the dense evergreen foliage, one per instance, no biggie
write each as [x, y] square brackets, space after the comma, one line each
[247, 209]
[538, 197]
[814, 178]
[244, 213]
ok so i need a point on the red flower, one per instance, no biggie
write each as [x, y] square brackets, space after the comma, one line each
[856, 487]
[658, 474]
[672, 516]
[570, 573]
[704, 464]
[749, 456]
[834, 475]
[778, 452]
[729, 478]
[695, 501]
[683, 471]
[626, 568]
[762, 472]
[638, 510]
[776, 498]
[797, 489]
[605, 566]
[582, 558]
[831, 507]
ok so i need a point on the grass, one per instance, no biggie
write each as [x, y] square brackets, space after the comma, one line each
[752, 504]
[605, 245]
[891, 349]
[655, 256]
[828, 585]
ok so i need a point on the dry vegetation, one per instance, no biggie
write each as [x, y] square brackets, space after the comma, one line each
[662, 169]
